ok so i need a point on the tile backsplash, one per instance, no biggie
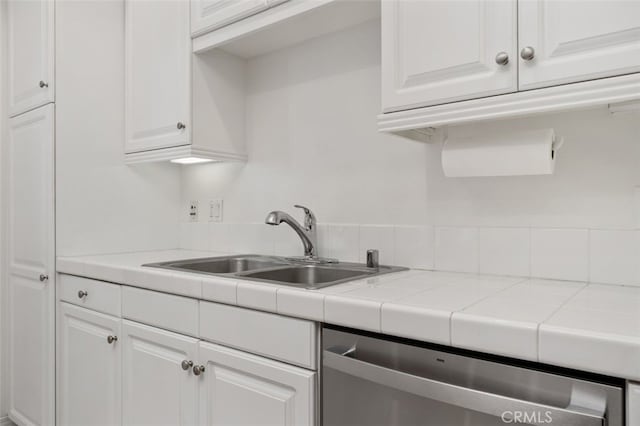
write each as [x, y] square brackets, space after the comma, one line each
[574, 225]
[595, 255]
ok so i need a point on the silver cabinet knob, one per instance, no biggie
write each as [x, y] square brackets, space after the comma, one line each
[111, 339]
[42, 84]
[44, 277]
[82, 294]
[527, 53]
[502, 58]
[181, 125]
[186, 364]
[198, 370]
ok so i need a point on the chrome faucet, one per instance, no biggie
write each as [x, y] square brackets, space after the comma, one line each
[307, 233]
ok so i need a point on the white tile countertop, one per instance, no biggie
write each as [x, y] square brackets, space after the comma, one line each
[589, 327]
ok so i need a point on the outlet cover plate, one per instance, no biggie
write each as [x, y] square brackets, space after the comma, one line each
[193, 211]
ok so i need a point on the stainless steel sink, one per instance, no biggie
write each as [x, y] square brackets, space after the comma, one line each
[311, 276]
[277, 270]
[221, 265]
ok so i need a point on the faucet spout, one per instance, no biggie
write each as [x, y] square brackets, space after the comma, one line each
[307, 233]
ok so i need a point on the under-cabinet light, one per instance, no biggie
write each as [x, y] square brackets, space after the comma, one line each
[191, 160]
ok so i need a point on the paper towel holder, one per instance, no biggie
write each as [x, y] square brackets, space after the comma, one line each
[496, 152]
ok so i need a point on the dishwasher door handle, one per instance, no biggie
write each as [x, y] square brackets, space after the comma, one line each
[484, 402]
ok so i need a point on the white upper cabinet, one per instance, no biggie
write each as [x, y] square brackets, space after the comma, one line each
[89, 368]
[207, 15]
[453, 62]
[157, 75]
[575, 41]
[435, 52]
[31, 267]
[237, 388]
[157, 390]
[178, 106]
[30, 54]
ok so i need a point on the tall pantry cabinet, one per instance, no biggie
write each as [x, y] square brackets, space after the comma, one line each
[31, 218]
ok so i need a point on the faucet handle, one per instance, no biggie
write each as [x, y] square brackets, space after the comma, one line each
[309, 217]
[306, 209]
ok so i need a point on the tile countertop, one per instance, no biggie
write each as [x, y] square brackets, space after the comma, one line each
[583, 326]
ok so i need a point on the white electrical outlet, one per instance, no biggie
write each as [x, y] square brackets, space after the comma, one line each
[215, 211]
[193, 211]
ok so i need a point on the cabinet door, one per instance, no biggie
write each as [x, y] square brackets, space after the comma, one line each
[156, 389]
[576, 41]
[207, 15]
[31, 268]
[89, 368]
[439, 51]
[237, 388]
[30, 54]
[157, 75]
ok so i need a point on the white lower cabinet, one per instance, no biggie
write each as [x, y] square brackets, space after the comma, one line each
[89, 367]
[156, 389]
[237, 388]
[114, 371]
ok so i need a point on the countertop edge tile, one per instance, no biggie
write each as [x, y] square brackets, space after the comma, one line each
[516, 339]
[418, 323]
[602, 353]
[257, 296]
[352, 312]
[220, 289]
[305, 304]
[67, 265]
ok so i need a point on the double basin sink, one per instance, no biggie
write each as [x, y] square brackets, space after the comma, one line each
[278, 270]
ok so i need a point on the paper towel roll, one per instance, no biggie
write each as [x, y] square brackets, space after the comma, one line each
[511, 154]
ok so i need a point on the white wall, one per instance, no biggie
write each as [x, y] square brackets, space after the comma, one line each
[312, 139]
[102, 205]
[3, 204]
[593, 186]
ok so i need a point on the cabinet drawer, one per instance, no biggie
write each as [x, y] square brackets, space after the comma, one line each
[287, 339]
[175, 313]
[98, 295]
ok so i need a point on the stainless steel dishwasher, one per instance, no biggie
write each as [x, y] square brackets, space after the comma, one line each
[370, 379]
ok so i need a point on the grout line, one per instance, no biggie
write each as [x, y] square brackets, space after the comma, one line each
[555, 311]
[478, 250]
[502, 290]
[451, 328]
[589, 255]
[530, 252]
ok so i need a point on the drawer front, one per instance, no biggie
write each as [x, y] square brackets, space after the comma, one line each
[287, 339]
[175, 313]
[92, 294]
